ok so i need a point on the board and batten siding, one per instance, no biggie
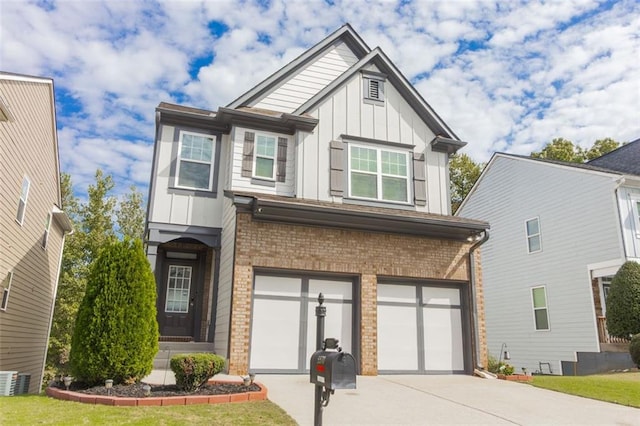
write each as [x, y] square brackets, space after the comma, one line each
[27, 147]
[182, 207]
[345, 112]
[579, 226]
[627, 196]
[225, 279]
[310, 80]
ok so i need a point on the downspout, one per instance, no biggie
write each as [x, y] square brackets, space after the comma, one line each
[472, 282]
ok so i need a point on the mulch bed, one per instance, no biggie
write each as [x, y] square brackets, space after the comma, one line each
[135, 390]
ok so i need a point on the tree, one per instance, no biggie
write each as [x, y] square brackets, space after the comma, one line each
[623, 301]
[561, 150]
[131, 214]
[97, 223]
[116, 333]
[463, 173]
[601, 147]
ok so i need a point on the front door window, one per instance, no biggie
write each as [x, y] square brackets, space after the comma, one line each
[178, 289]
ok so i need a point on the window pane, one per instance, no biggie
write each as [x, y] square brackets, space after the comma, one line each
[533, 227]
[197, 148]
[394, 189]
[534, 243]
[538, 298]
[364, 159]
[194, 175]
[264, 167]
[363, 185]
[394, 163]
[266, 146]
[542, 321]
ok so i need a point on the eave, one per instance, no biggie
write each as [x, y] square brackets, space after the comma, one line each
[281, 122]
[450, 146]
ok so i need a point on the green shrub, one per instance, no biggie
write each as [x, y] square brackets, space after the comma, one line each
[194, 370]
[116, 332]
[634, 349]
[623, 301]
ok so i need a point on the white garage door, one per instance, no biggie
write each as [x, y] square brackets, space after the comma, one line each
[283, 323]
[419, 329]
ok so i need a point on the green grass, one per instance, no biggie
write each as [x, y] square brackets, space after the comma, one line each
[41, 410]
[620, 388]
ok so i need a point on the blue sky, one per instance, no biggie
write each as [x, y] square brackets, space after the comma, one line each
[504, 75]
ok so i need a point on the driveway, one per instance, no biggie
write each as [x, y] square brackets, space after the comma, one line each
[422, 400]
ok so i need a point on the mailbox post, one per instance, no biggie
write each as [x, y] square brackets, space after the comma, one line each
[330, 368]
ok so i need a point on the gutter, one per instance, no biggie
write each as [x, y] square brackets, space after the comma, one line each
[472, 282]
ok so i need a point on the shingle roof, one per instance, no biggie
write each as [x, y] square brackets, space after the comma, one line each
[625, 159]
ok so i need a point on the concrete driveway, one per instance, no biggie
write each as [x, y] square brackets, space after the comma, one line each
[423, 400]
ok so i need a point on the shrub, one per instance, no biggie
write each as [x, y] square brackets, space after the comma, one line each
[116, 332]
[194, 370]
[623, 301]
[634, 349]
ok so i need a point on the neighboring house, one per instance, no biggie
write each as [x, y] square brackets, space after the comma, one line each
[329, 176]
[32, 225]
[559, 232]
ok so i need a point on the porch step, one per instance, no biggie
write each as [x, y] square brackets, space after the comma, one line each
[169, 349]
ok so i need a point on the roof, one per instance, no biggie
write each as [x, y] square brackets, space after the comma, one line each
[625, 159]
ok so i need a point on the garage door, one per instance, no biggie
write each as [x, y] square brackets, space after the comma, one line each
[283, 323]
[420, 329]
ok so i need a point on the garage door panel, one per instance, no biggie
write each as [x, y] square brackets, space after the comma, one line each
[338, 290]
[440, 296]
[277, 286]
[396, 293]
[337, 324]
[275, 334]
[444, 350]
[397, 338]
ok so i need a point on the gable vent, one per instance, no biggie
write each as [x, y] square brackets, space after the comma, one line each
[374, 89]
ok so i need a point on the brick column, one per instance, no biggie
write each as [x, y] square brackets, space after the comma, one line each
[369, 325]
[240, 320]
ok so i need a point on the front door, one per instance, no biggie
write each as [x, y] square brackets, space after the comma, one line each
[176, 310]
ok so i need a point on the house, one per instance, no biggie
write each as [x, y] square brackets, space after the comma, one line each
[330, 176]
[32, 227]
[559, 232]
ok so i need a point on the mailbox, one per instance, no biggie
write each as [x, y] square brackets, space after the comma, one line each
[333, 370]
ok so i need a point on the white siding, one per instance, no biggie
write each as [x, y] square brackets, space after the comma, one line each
[310, 80]
[345, 112]
[627, 197]
[579, 226]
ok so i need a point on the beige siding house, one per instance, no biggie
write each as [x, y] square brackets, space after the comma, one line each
[32, 224]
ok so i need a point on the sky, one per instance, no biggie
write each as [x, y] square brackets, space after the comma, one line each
[505, 75]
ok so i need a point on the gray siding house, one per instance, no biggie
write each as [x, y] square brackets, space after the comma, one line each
[32, 226]
[330, 176]
[560, 231]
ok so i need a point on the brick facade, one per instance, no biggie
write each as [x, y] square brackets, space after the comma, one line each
[368, 255]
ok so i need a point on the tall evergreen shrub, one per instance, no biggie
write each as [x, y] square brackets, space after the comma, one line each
[116, 332]
[623, 301]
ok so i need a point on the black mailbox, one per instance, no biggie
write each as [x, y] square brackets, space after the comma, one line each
[333, 370]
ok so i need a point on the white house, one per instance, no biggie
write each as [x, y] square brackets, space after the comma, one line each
[559, 233]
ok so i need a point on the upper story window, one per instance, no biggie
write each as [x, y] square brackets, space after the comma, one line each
[22, 203]
[47, 228]
[534, 238]
[6, 288]
[378, 174]
[636, 215]
[540, 311]
[264, 157]
[373, 87]
[195, 161]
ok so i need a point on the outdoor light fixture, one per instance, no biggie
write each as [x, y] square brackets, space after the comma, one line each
[146, 389]
[67, 381]
[504, 353]
[252, 377]
[108, 384]
[246, 380]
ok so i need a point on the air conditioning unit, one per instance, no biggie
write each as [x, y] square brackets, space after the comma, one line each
[8, 382]
[22, 384]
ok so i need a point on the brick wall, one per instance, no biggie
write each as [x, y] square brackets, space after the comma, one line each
[369, 255]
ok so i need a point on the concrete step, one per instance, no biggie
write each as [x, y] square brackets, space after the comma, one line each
[169, 349]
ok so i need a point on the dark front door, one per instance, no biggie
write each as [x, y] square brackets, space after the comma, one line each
[177, 307]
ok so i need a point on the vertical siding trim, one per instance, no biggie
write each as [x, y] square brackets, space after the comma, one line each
[247, 154]
[337, 168]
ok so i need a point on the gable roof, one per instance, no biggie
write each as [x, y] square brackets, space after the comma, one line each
[366, 57]
[625, 159]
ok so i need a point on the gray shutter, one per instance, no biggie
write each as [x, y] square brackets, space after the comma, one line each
[419, 180]
[247, 154]
[281, 173]
[337, 168]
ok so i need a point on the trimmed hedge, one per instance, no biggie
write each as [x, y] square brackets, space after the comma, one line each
[623, 301]
[634, 349]
[194, 370]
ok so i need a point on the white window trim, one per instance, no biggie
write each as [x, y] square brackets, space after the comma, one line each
[379, 174]
[23, 201]
[539, 234]
[210, 163]
[602, 283]
[546, 307]
[4, 301]
[166, 299]
[635, 206]
[255, 156]
[47, 228]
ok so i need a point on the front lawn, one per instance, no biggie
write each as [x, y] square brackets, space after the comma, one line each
[32, 409]
[620, 388]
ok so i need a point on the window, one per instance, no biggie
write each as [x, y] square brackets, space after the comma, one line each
[636, 215]
[540, 313]
[6, 287]
[195, 161]
[178, 289]
[22, 204]
[47, 227]
[534, 241]
[378, 174]
[265, 159]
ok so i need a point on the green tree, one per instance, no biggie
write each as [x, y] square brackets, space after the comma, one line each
[463, 172]
[601, 147]
[116, 333]
[561, 150]
[130, 214]
[97, 214]
[623, 301]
